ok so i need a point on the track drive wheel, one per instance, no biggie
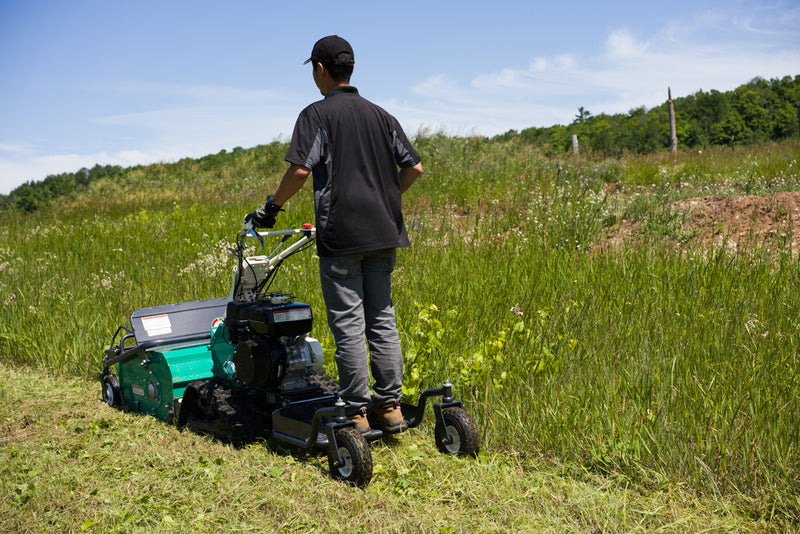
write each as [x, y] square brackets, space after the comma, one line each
[460, 434]
[356, 458]
[112, 395]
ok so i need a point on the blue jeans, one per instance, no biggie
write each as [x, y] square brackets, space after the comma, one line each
[358, 295]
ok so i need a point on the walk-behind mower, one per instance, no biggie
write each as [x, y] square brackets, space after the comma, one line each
[242, 368]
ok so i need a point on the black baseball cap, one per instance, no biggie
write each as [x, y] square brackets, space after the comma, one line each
[332, 50]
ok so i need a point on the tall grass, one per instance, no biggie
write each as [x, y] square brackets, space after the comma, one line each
[645, 359]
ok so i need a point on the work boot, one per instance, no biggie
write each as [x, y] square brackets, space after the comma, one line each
[360, 419]
[390, 417]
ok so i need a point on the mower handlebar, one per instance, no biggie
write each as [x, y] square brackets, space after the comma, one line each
[250, 231]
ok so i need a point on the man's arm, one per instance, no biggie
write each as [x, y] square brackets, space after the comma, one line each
[408, 176]
[292, 181]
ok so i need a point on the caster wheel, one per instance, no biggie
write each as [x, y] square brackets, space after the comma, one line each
[459, 435]
[112, 395]
[356, 456]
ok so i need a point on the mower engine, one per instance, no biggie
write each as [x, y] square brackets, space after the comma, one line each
[271, 347]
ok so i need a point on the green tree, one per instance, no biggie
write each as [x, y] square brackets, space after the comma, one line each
[785, 123]
[600, 135]
[749, 104]
[711, 108]
[731, 129]
[583, 115]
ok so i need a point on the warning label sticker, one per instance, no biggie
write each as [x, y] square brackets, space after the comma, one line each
[286, 316]
[157, 325]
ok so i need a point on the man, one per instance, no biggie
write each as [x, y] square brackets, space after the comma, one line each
[354, 149]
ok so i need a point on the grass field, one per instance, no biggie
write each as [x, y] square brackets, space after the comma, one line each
[650, 386]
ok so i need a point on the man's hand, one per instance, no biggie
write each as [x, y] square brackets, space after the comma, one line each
[264, 217]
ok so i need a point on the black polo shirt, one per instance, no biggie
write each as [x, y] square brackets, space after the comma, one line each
[353, 149]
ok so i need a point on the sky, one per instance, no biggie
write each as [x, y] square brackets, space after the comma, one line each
[90, 82]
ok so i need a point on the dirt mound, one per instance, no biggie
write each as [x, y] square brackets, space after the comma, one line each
[771, 222]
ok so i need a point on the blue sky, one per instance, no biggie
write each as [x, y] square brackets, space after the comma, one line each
[85, 82]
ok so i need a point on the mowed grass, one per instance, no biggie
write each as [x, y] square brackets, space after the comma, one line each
[652, 369]
[68, 463]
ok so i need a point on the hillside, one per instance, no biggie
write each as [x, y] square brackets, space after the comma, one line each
[592, 312]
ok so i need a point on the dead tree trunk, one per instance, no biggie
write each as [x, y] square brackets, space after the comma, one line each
[575, 145]
[673, 135]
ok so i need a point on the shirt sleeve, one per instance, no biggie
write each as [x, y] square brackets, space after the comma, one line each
[307, 142]
[404, 153]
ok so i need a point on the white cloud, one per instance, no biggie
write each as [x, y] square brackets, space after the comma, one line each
[15, 148]
[621, 46]
[192, 92]
[439, 86]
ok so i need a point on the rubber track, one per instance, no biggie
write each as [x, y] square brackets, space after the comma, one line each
[233, 415]
[329, 385]
[228, 411]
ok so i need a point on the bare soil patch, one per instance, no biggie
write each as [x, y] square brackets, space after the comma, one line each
[770, 222]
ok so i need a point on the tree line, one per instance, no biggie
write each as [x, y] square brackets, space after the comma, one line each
[758, 111]
[31, 195]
